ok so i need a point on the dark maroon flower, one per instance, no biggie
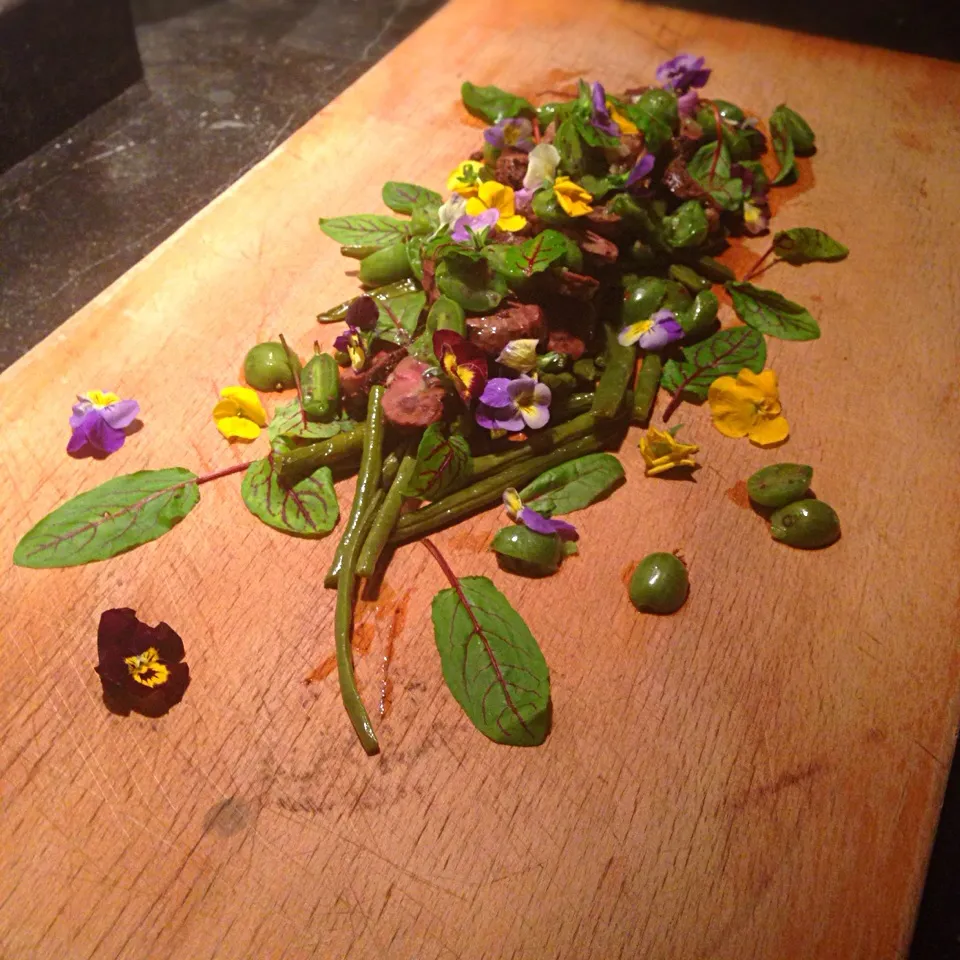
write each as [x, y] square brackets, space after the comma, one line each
[463, 362]
[363, 313]
[140, 667]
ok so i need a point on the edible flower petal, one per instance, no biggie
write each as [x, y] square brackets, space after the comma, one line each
[599, 115]
[239, 415]
[467, 225]
[98, 421]
[654, 333]
[464, 180]
[140, 666]
[682, 72]
[352, 344]
[662, 451]
[497, 196]
[535, 521]
[462, 361]
[626, 125]
[512, 404]
[541, 167]
[641, 169]
[451, 211]
[687, 103]
[574, 200]
[520, 355]
[516, 132]
[748, 406]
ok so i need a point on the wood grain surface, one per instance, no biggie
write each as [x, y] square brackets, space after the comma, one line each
[757, 776]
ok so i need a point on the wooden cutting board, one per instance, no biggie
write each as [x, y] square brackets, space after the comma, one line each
[757, 776]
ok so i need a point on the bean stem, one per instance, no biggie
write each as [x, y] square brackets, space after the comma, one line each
[305, 461]
[489, 490]
[368, 481]
[386, 518]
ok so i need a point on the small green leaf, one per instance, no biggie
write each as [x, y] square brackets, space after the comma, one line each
[726, 190]
[407, 308]
[807, 244]
[594, 137]
[471, 284]
[801, 134]
[491, 662]
[115, 517]
[573, 485]
[442, 461]
[287, 424]
[726, 353]
[519, 261]
[365, 229]
[783, 148]
[307, 508]
[403, 197]
[570, 146]
[771, 313]
[686, 227]
[493, 104]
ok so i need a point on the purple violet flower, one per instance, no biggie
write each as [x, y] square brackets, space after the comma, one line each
[534, 521]
[99, 420]
[682, 72]
[513, 404]
[652, 334]
[600, 115]
[516, 132]
[476, 223]
[642, 168]
[351, 342]
[688, 102]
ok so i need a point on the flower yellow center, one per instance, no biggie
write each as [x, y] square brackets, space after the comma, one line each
[147, 669]
[511, 135]
[100, 399]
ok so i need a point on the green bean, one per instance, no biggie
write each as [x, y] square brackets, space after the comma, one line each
[340, 447]
[540, 442]
[343, 634]
[338, 313]
[688, 277]
[712, 269]
[358, 251]
[612, 385]
[368, 480]
[489, 490]
[648, 382]
[386, 518]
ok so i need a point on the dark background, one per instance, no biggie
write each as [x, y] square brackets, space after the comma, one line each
[223, 82]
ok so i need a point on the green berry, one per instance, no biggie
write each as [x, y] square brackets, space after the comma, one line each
[806, 523]
[779, 484]
[659, 584]
[267, 367]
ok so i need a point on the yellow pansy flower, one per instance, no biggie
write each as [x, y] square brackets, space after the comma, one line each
[496, 196]
[239, 415]
[464, 180]
[662, 451]
[748, 406]
[572, 197]
[100, 399]
[625, 124]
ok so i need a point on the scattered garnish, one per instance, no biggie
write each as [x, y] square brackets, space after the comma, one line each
[662, 451]
[239, 414]
[98, 422]
[749, 406]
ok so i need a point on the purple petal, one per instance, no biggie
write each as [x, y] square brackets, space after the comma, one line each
[80, 410]
[121, 414]
[538, 523]
[599, 96]
[541, 395]
[665, 330]
[81, 430]
[497, 393]
[600, 116]
[494, 136]
[537, 418]
[687, 103]
[498, 418]
[642, 168]
[476, 223]
[520, 389]
[106, 438]
[522, 199]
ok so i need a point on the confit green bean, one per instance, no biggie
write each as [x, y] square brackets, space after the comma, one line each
[616, 376]
[648, 382]
[368, 481]
[383, 523]
[338, 313]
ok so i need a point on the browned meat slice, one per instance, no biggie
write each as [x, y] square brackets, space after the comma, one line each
[515, 321]
[410, 400]
[357, 385]
[512, 167]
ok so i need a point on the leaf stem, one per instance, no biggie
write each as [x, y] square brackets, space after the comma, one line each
[294, 367]
[756, 267]
[225, 472]
[719, 147]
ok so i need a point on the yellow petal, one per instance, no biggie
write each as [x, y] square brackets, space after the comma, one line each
[475, 205]
[248, 402]
[516, 222]
[100, 399]
[624, 123]
[768, 432]
[765, 382]
[457, 180]
[238, 428]
[226, 408]
[493, 195]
